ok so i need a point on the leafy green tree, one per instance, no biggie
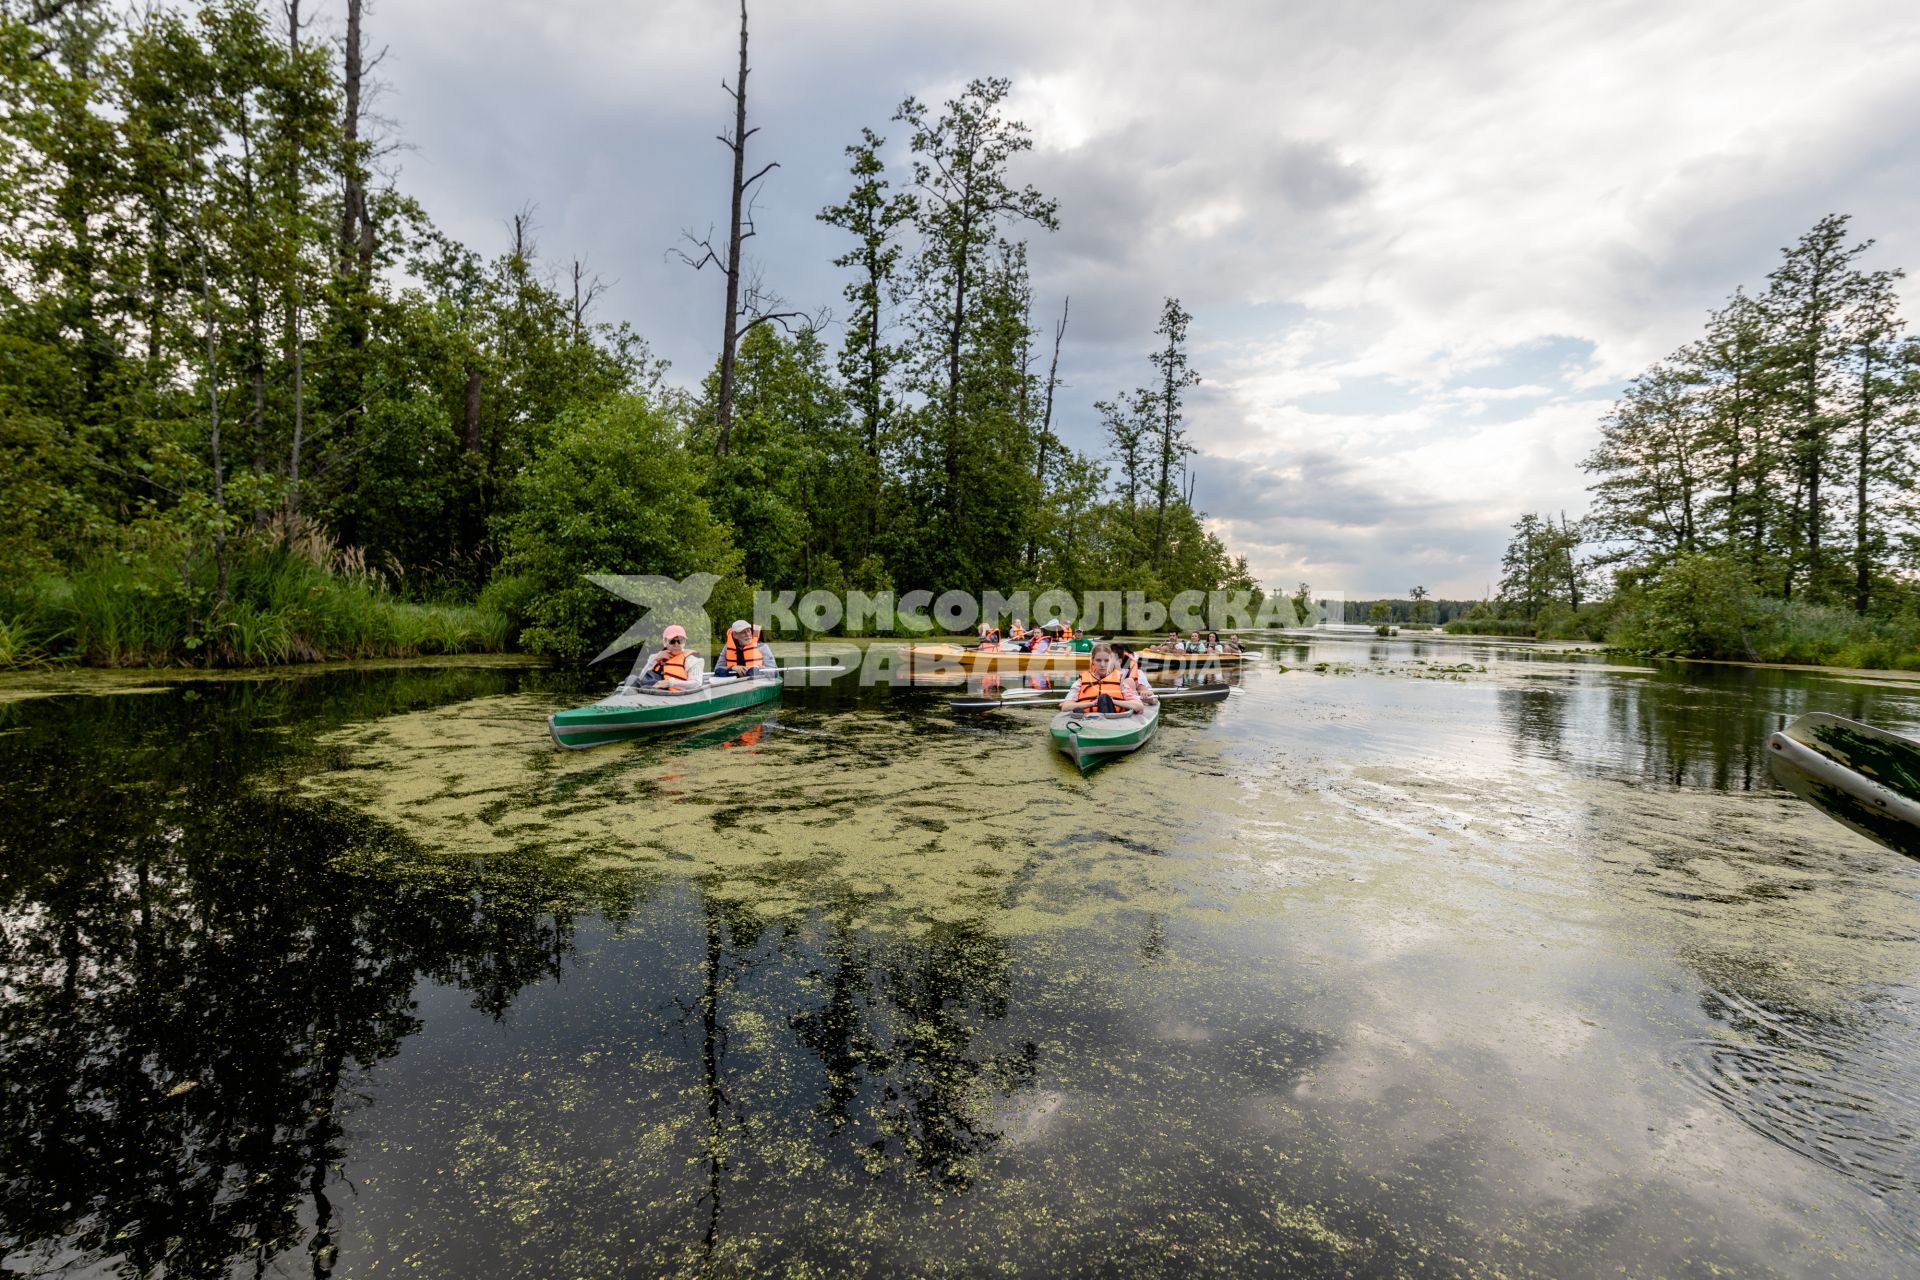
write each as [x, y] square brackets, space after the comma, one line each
[868, 360]
[616, 491]
[1701, 605]
[1654, 463]
[969, 495]
[1878, 444]
[1808, 297]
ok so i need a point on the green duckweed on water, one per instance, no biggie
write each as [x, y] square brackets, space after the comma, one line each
[1526, 973]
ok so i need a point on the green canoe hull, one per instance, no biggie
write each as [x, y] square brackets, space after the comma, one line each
[630, 715]
[1858, 775]
[1088, 739]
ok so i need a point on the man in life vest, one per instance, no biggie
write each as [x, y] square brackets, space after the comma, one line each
[744, 653]
[1103, 688]
[1172, 643]
[673, 669]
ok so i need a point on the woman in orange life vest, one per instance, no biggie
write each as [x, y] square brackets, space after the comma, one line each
[989, 638]
[1103, 688]
[1017, 633]
[744, 652]
[673, 669]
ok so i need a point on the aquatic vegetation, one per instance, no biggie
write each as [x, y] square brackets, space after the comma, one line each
[1508, 974]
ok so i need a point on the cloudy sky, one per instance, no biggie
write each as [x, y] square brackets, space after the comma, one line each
[1424, 244]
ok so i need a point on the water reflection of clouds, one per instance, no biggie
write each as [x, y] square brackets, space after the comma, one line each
[1351, 972]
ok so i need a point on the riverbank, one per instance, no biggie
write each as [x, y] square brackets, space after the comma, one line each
[277, 602]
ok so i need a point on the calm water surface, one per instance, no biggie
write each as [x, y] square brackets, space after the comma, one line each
[1380, 969]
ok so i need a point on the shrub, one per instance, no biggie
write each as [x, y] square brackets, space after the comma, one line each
[616, 492]
[1702, 606]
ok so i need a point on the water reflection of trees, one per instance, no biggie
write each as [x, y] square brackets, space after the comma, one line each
[194, 981]
[1688, 727]
[200, 975]
[893, 1024]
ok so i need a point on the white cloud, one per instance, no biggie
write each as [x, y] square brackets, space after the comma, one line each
[1368, 209]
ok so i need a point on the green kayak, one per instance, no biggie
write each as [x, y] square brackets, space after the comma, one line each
[1087, 737]
[624, 715]
[1856, 774]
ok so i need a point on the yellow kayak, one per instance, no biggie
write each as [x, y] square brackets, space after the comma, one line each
[1006, 661]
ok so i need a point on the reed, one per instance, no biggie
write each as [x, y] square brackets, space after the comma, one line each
[292, 597]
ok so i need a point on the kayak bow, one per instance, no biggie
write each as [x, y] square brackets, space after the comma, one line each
[1858, 775]
[1088, 737]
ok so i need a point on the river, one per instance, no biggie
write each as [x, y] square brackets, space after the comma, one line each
[1413, 957]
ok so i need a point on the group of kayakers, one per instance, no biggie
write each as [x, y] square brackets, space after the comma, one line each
[1114, 682]
[677, 669]
[1021, 639]
[1194, 644]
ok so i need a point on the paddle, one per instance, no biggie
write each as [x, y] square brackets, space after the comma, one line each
[1164, 695]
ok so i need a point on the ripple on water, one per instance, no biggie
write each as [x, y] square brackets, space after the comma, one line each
[1840, 1089]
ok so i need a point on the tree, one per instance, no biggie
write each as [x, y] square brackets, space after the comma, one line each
[960, 170]
[867, 359]
[1808, 296]
[616, 492]
[1734, 374]
[1128, 424]
[1653, 463]
[1421, 609]
[1171, 446]
[1878, 441]
[745, 298]
[967, 497]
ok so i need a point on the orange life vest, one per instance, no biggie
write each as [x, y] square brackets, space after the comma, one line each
[751, 654]
[1018, 633]
[670, 665]
[989, 640]
[1133, 667]
[1113, 684]
[1066, 631]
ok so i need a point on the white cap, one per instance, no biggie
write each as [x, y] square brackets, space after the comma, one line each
[740, 624]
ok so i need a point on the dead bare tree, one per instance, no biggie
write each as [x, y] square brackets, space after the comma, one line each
[585, 289]
[753, 306]
[355, 231]
[1046, 421]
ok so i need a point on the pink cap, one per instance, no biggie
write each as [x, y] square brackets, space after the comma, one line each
[675, 632]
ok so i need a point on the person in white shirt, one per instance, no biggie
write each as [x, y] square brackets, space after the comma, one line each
[672, 670]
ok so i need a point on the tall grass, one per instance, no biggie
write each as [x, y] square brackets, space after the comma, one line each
[292, 597]
[1784, 631]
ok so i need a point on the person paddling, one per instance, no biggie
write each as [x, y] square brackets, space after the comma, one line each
[1103, 688]
[673, 669]
[744, 653]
